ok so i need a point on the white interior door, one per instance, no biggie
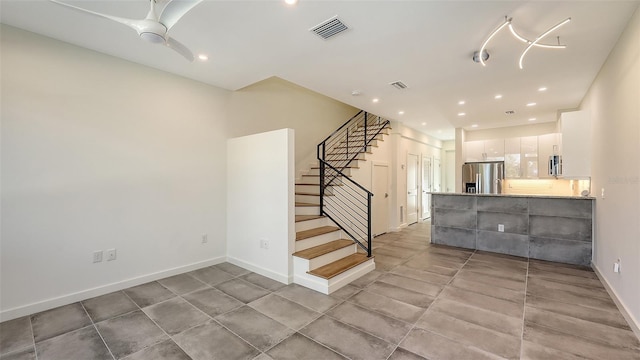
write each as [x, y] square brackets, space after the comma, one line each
[437, 176]
[427, 175]
[380, 206]
[412, 188]
[450, 171]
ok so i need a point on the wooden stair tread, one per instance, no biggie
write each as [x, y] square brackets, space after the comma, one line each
[320, 250]
[338, 267]
[315, 232]
[303, 204]
[300, 218]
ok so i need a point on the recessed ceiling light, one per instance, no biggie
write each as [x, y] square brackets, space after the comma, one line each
[290, 2]
[532, 119]
[531, 104]
[375, 100]
[544, 88]
[461, 102]
[356, 93]
[401, 112]
[424, 123]
[203, 57]
[497, 97]
[461, 114]
[474, 125]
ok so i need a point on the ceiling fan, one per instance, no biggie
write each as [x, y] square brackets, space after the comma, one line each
[154, 28]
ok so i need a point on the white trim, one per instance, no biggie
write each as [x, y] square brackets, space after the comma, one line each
[634, 324]
[37, 307]
[283, 278]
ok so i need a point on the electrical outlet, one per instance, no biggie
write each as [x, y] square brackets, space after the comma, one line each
[501, 227]
[264, 244]
[205, 238]
[111, 254]
[97, 256]
[616, 266]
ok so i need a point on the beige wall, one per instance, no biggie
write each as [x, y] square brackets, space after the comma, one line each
[614, 103]
[101, 153]
[275, 104]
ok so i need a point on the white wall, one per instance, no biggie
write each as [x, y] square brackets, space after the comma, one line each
[101, 153]
[613, 101]
[261, 203]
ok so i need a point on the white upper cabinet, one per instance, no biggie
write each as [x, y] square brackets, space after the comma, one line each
[529, 157]
[484, 150]
[494, 149]
[512, 156]
[576, 144]
[548, 145]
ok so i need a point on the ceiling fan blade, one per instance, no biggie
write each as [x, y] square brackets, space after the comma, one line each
[132, 23]
[180, 48]
[174, 10]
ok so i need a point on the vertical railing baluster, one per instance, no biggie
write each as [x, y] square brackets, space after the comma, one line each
[322, 168]
[364, 148]
[369, 195]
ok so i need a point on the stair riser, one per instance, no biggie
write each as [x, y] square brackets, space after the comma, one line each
[330, 257]
[308, 188]
[328, 286]
[311, 199]
[302, 266]
[358, 142]
[317, 240]
[307, 210]
[312, 224]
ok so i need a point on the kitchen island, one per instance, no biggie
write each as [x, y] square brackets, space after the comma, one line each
[554, 228]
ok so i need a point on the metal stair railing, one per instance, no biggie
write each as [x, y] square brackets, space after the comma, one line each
[349, 205]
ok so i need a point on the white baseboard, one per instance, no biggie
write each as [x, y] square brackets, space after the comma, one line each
[634, 324]
[283, 278]
[39, 306]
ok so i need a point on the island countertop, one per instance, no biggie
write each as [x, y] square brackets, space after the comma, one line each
[517, 195]
[553, 228]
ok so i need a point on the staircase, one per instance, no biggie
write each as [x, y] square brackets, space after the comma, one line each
[333, 213]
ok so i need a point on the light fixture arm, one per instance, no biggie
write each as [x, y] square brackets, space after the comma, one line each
[507, 21]
[540, 38]
[530, 44]
[524, 40]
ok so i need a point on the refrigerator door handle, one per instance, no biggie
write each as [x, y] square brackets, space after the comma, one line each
[478, 183]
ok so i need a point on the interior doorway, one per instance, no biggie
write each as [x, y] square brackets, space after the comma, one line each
[380, 206]
[412, 189]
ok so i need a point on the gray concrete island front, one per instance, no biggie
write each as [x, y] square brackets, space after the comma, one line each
[539, 227]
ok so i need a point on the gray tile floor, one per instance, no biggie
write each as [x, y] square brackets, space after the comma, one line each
[422, 301]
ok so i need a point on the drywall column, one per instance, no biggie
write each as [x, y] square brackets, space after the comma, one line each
[261, 203]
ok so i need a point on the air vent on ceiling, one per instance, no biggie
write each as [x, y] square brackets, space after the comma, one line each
[399, 85]
[509, 112]
[329, 28]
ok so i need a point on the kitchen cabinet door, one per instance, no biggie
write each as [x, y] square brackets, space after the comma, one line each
[494, 149]
[576, 144]
[474, 151]
[547, 145]
[512, 158]
[529, 157]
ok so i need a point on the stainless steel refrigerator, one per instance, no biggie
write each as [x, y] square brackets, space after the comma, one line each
[483, 177]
